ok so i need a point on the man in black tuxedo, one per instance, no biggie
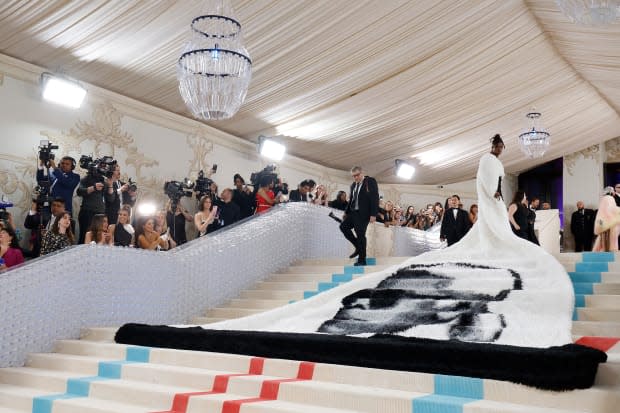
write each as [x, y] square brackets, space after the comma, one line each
[301, 193]
[455, 223]
[362, 210]
[582, 227]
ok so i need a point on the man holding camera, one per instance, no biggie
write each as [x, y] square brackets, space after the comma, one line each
[114, 194]
[361, 211]
[63, 180]
[91, 190]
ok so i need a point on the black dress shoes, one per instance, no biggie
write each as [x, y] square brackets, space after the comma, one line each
[355, 254]
[360, 263]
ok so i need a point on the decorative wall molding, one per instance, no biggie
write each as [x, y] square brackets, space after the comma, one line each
[612, 149]
[590, 152]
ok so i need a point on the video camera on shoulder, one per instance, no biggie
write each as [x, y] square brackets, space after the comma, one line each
[45, 151]
[98, 168]
[202, 185]
[271, 173]
[175, 190]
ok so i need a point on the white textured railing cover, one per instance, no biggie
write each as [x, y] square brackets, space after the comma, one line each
[88, 285]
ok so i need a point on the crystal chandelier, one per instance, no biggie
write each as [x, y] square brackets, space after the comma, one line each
[590, 12]
[535, 141]
[214, 69]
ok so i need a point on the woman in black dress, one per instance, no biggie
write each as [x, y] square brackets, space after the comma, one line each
[122, 232]
[517, 214]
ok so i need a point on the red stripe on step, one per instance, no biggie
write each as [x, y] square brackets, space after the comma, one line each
[600, 343]
[220, 383]
[270, 388]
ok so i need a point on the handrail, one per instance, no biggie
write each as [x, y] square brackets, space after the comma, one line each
[90, 285]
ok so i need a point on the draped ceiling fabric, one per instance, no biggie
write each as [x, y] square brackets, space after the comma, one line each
[356, 81]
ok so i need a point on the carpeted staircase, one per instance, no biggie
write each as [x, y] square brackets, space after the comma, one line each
[95, 375]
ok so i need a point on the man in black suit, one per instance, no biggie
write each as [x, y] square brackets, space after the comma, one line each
[582, 227]
[362, 210]
[455, 223]
[301, 193]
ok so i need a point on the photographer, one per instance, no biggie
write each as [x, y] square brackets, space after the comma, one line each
[176, 222]
[229, 211]
[242, 196]
[91, 190]
[39, 224]
[62, 179]
[114, 193]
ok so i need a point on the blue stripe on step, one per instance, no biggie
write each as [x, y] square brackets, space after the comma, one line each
[138, 354]
[350, 269]
[580, 300]
[44, 404]
[591, 267]
[598, 257]
[341, 278]
[583, 288]
[80, 386]
[308, 294]
[468, 387]
[585, 277]
[439, 403]
[324, 286]
[371, 261]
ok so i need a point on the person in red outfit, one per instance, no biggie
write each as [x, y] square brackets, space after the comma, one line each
[10, 251]
[265, 198]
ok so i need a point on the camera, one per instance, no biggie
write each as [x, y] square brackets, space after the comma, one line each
[202, 185]
[98, 168]
[271, 172]
[133, 187]
[45, 151]
[175, 190]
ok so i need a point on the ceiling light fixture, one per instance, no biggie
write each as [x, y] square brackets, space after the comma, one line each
[590, 12]
[404, 170]
[62, 91]
[270, 149]
[214, 69]
[535, 141]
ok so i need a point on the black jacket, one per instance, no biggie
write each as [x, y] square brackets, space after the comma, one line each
[453, 229]
[368, 202]
[582, 226]
[296, 196]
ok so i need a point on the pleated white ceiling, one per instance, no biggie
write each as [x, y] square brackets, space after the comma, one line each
[347, 82]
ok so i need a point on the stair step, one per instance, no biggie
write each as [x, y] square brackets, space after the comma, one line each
[98, 333]
[293, 277]
[16, 397]
[596, 328]
[259, 304]
[103, 350]
[48, 380]
[91, 405]
[232, 312]
[150, 395]
[287, 286]
[348, 261]
[610, 302]
[79, 365]
[272, 295]
[598, 314]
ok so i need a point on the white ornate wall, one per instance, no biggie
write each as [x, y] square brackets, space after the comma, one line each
[151, 145]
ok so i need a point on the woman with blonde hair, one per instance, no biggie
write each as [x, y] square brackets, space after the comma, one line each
[122, 232]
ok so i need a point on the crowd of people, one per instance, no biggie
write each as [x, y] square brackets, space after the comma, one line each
[106, 215]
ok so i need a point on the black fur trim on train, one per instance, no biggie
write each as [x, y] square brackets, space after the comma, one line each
[555, 368]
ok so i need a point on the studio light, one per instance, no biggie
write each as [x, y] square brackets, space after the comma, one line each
[404, 170]
[270, 148]
[62, 91]
[146, 209]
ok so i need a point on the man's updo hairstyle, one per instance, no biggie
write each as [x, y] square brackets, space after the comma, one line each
[496, 140]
